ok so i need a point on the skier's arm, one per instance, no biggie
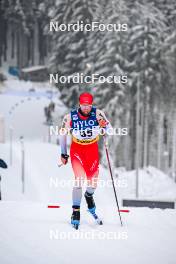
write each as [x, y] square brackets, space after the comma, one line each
[63, 138]
[102, 120]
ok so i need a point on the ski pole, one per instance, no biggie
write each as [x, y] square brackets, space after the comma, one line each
[110, 170]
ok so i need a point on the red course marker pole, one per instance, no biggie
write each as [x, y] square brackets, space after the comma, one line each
[53, 206]
[124, 211]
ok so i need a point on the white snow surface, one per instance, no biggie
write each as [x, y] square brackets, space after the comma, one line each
[32, 233]
[23, 110]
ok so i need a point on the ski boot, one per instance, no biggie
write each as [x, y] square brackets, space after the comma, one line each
[92, 207]
[75, 218]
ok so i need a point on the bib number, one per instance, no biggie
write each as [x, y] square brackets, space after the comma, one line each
[86, 133]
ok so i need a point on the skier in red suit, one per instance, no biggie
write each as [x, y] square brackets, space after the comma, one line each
[84, 124]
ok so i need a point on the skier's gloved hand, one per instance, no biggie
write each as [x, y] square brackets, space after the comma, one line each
[102, 123]
[64, 158]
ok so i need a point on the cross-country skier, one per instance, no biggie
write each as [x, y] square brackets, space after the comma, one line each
[84, 124]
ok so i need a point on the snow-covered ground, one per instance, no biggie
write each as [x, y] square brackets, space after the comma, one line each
[23, 108]
[32, 233]
[153, 184]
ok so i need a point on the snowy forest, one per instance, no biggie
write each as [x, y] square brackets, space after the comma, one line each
[146, 53]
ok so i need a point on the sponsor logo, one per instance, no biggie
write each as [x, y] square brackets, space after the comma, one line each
[75, 117]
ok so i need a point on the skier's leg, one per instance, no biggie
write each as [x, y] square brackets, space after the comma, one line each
[90, 200]
[91, 187]
[79, 172]
[77, 190]
[76, 201]
[76, 195]
[92, 181]
[91, 166]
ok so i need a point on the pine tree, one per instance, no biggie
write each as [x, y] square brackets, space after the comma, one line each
[71, 48]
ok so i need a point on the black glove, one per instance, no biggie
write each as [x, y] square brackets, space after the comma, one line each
[65, 157]
[3, 164]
